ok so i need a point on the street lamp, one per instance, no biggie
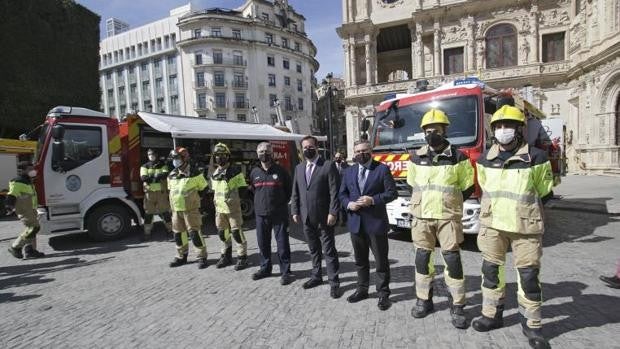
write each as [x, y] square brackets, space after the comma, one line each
[255, 114]
[330, 132]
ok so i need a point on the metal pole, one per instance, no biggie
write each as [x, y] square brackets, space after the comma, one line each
[329, 121]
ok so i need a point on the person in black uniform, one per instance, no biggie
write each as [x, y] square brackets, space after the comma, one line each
[272, 191]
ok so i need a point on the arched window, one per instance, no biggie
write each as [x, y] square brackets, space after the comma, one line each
[501, 47]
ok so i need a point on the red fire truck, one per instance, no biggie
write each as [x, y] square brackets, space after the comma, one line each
[469, 104]
[88, 162]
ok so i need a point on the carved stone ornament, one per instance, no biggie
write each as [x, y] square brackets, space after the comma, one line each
[454, 33]
[554, 18]
[390, 3]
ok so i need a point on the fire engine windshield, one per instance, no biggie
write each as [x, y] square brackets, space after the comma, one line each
[399, 128]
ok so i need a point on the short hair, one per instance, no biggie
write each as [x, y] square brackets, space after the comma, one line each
[265, 145]
[314, 139]
[361, 141]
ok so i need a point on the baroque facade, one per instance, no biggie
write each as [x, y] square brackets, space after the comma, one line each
[245, 64]
[564, 54]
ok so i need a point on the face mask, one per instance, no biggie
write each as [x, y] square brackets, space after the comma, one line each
[310, 153]
[504, 135]
[177, 163]
[265, 158]
[152, 157]
[32, 173]
[338, 160]
[434, 139]
[221, 160]
[362, 158]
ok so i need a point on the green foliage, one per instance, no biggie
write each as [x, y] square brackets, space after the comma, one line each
[50, 57]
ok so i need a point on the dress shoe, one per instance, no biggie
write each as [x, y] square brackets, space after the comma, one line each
[384, 303]
[357, 296]
[177, 262]
[534, 336]
[458, 316]
[613, 281]
[422, 308]
[335, 292]
[312, 283]
[286, 279]
[261, 274]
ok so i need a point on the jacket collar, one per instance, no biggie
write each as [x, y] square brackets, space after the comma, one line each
[522, 154]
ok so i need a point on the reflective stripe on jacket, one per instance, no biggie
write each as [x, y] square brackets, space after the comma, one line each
[184, 189]
[22, 195]
[438, 181]
[512, 189]
[154, 174]
[226, 183]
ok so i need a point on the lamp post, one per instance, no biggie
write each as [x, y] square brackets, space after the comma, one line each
[255, 114]
[330, 132]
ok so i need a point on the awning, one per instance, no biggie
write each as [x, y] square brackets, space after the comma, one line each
[193, 127]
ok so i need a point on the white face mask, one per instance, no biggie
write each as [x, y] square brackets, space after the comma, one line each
[32, 173]
[152, 157]
[505, 135]
[177, 163]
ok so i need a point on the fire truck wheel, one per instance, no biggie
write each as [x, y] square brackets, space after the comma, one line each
[108, 222]
[247, 207]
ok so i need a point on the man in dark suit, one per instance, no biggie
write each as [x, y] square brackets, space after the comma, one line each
[341, 165]
[365, 190]
[314, 203]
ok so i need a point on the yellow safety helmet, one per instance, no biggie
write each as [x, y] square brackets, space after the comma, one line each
[434, 116]
[221, 148]
[507, 112]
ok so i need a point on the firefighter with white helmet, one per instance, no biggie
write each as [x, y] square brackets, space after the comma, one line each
[441, 178]
[226, 181]
[186, 182]
[516, 180]
[153, 175]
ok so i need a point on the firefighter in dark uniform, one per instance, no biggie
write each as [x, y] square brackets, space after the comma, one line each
[186, 182]
[515, 179]
[272, 187]
[22, 199]
[153, 175]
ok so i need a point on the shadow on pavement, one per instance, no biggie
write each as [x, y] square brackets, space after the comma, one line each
[28, 274]
[82, 244]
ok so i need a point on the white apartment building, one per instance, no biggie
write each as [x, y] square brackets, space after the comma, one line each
[215, 63]
[564, 54]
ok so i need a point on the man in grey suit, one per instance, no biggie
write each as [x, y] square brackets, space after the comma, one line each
[315, 205]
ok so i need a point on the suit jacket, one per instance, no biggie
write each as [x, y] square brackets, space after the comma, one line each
[380, 186]
[343, 166]
[315, 200]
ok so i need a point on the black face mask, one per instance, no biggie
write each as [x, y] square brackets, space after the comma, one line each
[221, 160]
[265, 158]
[434, 139]
[362, 158]
[310, 153]
[338, 160]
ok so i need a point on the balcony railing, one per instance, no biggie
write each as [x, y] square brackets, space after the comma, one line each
[240, 84]
[241, 104]
[220, 84]
[221, 105]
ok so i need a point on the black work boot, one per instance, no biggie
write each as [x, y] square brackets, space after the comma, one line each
[242, 263]
[458, 316]
[534, 336]
[177, 262]
[202, 262]
[30, 252]
[422, 308]
[225, 259]
[16, 252]
[486, 324]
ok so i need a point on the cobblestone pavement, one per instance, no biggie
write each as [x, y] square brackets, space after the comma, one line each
[123, 295]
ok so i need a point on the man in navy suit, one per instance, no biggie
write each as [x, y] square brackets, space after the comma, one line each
[365, 190]
[314, 203]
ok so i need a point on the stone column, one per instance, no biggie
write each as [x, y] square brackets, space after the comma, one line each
[414, 58]
[534, 52]
[353, 61]
[347, 62]
[367, 45]
[419, 50]
[471, 44]
[437, 49]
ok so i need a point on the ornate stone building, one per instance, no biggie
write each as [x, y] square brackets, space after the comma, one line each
[564, 54]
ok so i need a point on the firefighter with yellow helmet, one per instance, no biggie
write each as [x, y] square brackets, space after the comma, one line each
[153, 175]
[186, 182]
[226, 181]
[516, 180]
[441, 178]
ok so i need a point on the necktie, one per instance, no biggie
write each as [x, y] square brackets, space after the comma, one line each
[309, 172]
[361, 178]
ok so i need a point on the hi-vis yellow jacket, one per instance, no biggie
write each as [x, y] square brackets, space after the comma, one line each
[513, 188]
[185, 187]
[440, 183]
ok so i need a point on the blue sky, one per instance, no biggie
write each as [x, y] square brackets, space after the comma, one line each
[322, 18]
